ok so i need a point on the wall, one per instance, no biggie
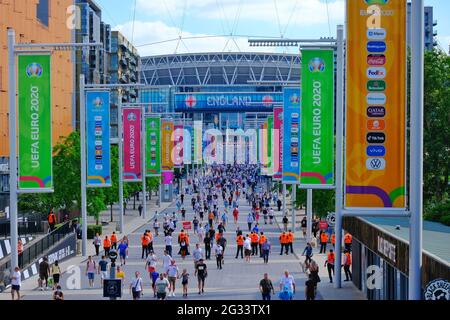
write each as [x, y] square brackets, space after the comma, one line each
[21, 16]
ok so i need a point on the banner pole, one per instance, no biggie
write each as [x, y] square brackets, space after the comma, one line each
[416, 142]
[294, 198]
[309, 214]
[12, 149]
[83, 166]
[143, 157]
[284, 199]
[339, 153]
[120, 135]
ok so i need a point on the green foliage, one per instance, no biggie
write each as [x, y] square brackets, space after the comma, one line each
[92, 230]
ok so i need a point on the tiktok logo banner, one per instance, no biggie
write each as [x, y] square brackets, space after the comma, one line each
[132, 168]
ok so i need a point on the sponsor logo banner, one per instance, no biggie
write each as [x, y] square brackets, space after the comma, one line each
[177, 138]
[375, 159]
[97, 138]
[291, 135]
[198, 142]
[167, 128]
[188, 139]
[317, 123]
[132, 168]
[153, 146]
[35, 123]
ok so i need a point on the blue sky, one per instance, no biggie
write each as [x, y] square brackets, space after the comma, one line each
[206, 25]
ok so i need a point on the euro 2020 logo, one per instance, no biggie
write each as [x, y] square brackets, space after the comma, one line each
[98, 102]
[34, 70]
[316, 65]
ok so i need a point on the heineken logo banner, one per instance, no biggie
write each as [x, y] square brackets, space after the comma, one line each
[317, 123]
[153, 146]
[35, 123]
[97, 138]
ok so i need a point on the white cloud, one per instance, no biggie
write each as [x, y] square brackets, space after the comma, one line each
[158, 39]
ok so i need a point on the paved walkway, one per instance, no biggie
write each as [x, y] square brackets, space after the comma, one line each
[236, 281]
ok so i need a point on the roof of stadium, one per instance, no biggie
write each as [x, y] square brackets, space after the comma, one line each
[221, 68]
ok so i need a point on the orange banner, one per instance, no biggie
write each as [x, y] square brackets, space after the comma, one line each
[167, 145]
[376, 104]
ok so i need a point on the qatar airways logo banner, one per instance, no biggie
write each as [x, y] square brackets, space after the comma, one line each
[132, 168]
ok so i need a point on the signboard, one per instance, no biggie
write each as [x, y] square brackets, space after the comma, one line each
[263, 150]
[225, 101]
[269, 146]
[112, 288]
[187, 225]
[167, 129]
[35, 124]
[317, 129]
[278, 141]
[323, 225]
[376, 104]
[188, 140]
[291, 135]
[153, 146]
[198, 143]
[132, 168]
[167, 177]
[178, 146]
[98, 151]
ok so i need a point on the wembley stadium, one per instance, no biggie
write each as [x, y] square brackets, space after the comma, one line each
[225, 90]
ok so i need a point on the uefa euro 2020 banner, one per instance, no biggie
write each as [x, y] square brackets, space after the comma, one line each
[375, 174]
[188, 140]
[198, 142]
[132, 168]
[317, 125]
[35, 123]
[97, 139]
[277, 142]
[153, 146]
[178, 146]
[291, 135]
[167, 146]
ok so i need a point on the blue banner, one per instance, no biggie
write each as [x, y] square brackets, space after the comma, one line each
[228, 102]
[97, 139]
[291, 135]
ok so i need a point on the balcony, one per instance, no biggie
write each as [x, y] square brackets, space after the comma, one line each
[124, 79]
[123, 62]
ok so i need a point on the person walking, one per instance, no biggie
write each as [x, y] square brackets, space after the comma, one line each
[166, 259]
[250, 221]
[106, 245]
[103, 269]
[247, 248]
[58, 294]
[97, 243]
[323, 242]
[218, 251]
[271, 215]
[262, 239]
[51, 220]
[123, 252]
[195, 223]
[265, 249]
[284, 243]
[347, 264]
[266, 288]
[348, 242]
[333, 240]
[161, 285]
[168, 242]
[185, 282]
[201, 271]
[235, 214]
[44, 272]
[90, 271]
[310, 289]
[329, 263]
[287, 286]
[314, 271]
[114, 241]
[290, 241]
[207, 241]
[307, 252]
[16, 282]
[197, 254]
[56, 274]
[172, 274]
[20, 252]
[303, 224]
[285, 223]
[150, 263]
[240, 246]
[279, 205]
[255, 241]
[140, 208]
[145, 240]
[136, 287]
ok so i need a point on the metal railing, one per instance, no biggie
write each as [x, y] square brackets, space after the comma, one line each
[25, 228]
[34, 251]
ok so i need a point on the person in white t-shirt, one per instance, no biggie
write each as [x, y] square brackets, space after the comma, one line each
[247, 248]
[166, 259]
[136, 286]
[172, 275]
[168, 241]
[150, 263]
[16, 282]
[288, 281]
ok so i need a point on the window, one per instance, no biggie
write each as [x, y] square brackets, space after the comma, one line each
[42, 12]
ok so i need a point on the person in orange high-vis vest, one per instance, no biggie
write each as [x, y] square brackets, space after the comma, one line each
[333, 239]
[348, 242]
[254, 240]
[240, 246]
[51, 220]
[262, 239]
[347, 265]
[144, 243]
[284, 243]
[329, 263]
[290, 241]
[20, 252]
[150, 241]
[106, 245]
[323, 242]
[114, 241]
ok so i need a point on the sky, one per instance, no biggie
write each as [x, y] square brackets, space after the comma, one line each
[159, 27]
